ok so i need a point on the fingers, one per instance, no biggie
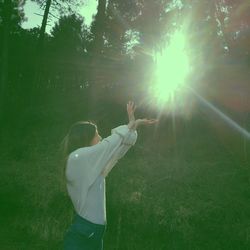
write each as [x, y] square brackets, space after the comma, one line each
[131, 106]
[153, 120]
[150, 121]
[146, 121]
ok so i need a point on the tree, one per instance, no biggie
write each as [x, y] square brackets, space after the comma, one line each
[62, 7]
[49, 6]
[11, 17]
[98, 28]
[69, 36]
[43, 26]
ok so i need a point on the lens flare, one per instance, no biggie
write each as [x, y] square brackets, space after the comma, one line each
[172, 68]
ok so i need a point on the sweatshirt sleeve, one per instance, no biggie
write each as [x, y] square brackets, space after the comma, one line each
[127, 143]
[110, 149]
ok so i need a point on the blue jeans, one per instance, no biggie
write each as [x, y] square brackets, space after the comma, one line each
[84, 235]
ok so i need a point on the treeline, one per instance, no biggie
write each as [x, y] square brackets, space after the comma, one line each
[112, 59]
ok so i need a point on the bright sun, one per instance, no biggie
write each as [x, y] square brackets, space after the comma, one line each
[172, 67]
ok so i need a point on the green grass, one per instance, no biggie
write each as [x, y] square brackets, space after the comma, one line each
[179, 193]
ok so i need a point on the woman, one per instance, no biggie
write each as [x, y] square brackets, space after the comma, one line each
[89, 160]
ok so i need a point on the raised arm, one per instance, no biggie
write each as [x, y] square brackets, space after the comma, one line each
[101, 154]
[101, 158]
[130, 139]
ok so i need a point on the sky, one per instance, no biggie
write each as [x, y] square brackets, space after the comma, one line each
[31, 10]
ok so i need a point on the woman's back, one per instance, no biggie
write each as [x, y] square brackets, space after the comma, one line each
[86, 170]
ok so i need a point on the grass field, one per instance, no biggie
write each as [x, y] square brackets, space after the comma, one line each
[188, 191]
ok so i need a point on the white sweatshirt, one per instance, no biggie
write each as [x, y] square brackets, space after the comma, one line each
[87, 168]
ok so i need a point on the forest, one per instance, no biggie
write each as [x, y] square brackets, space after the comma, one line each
[185, 184]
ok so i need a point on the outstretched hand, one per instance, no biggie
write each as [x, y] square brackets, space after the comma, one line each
[145, 121]
[131, 107]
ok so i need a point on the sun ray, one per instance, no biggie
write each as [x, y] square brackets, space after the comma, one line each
[223, 116]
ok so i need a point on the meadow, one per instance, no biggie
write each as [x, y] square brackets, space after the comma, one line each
[179, 189]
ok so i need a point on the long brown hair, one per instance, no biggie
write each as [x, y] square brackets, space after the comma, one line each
[80, 135]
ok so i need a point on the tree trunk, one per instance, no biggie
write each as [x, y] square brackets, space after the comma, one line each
[43, 27]
[39, 56]
[98, 29]
[5, 53]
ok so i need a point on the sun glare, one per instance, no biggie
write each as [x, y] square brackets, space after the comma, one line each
[172, 67]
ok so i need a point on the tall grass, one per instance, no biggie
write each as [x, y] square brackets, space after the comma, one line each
[181, 193]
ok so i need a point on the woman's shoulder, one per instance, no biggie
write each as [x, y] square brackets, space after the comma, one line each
[81, 152]
[78, 152]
